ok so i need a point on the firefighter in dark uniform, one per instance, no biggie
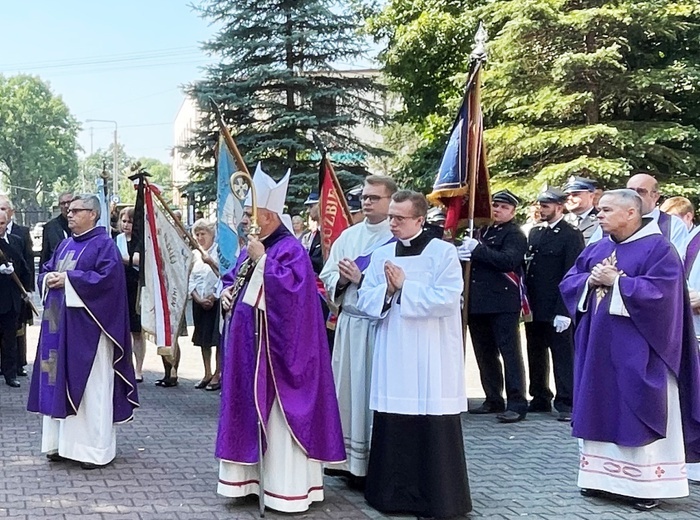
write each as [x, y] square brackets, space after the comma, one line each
[497, 256]
[553, 247]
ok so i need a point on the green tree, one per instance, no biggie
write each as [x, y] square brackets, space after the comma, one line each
[275, 82]
[601, 88]
[38, 140]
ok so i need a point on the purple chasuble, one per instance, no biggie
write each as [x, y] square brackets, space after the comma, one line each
[622, 363]
[293, 363]
[69, 335]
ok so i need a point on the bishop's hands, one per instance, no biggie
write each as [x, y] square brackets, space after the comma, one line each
[256, 249]
[349, 272]
[56, 280]
[7, 268]
[227, 299]
[694, 300]
[603, 275]
[395, 277]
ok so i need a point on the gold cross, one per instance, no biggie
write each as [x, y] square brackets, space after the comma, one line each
[52, 314]
[67, 263]
[49, 366]
[602, 291]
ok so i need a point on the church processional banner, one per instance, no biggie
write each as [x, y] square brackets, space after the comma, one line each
[167, 264]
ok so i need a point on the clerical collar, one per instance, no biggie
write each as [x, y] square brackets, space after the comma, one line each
[407, 243]
[655, 214]
[649, 227]
[90, 233]
[414, 246]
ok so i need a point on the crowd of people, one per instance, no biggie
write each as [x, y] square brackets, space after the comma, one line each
[354, 365]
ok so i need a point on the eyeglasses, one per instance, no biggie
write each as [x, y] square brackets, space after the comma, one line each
[78, 210]
[400, 218]
[643, 192]
[64, 203]
[372, 198]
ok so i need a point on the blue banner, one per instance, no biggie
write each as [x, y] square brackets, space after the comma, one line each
[229, 210]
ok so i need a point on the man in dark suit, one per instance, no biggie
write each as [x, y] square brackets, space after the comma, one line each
[582, 213]
[494, 309]
[553, 247]
[28, 253]
[11, 262]
[55, 230]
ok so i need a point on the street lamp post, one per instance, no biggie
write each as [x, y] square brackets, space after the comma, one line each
[115, 158]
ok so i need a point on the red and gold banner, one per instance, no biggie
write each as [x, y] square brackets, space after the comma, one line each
[333, 208]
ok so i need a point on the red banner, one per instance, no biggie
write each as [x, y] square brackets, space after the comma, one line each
[333, 208]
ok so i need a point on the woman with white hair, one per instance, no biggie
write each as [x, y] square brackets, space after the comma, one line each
[205, 304]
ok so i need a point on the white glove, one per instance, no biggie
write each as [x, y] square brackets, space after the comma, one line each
[561, 323]
[464, 252]
[7, 268]
[694, 298]
[463, 255]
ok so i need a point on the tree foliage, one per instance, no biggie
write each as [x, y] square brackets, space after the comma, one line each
[275, 83]
[38, 140]
[601, 88]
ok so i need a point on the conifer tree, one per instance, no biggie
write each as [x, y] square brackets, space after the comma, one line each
[276, 81]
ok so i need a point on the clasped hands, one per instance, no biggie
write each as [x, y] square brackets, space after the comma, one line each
[603, 275]
[349, 272]
[395, 277]
[55, 280]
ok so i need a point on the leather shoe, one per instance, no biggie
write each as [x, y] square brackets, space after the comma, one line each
[564, 417]
[55, 457]
[90, 465]
[591, 493]
[488, 407]
[539, 406]
[645, 504]
[509, 416]
[22, 372]
[13, 383]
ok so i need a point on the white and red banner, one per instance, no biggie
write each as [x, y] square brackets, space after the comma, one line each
[167, 262]
[333, 208]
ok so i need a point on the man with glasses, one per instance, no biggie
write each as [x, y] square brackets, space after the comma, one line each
[413, 287]
[83, 380]
[354, 334]
[497, 258]
[56, 230]
[672, 227]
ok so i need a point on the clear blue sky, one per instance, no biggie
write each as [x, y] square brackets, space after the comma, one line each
[123, 61]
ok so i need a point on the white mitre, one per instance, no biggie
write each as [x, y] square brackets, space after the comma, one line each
[270, 194]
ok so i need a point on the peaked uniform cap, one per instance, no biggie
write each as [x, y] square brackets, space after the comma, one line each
[580, 184]
[552, 195]
[270, 194]
[505, 196]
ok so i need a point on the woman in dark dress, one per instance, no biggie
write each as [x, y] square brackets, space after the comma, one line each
[131, 258]
[205, 304]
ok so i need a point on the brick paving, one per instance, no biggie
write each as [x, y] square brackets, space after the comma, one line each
[165, 467]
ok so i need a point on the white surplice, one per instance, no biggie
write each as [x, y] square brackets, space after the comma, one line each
[90, 435]
[694, 284]
[354, 340]
[418, 362]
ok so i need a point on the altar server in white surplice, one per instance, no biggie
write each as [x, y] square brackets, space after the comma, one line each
[355, 331]
[416, 463]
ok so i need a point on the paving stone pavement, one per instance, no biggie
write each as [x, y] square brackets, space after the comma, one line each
[165, 468]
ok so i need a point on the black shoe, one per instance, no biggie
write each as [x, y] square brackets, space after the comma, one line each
[22, 372]
[13, 383]
[591, 493]
[539, 406]
[90, 465]
[358, 483]
[645, 504]
[55, 457]
[509, 416]
[488, 407]
[564, 417]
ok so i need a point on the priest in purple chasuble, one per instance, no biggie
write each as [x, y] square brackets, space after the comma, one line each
[637, 368]
[83, 379]
[277, 369]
